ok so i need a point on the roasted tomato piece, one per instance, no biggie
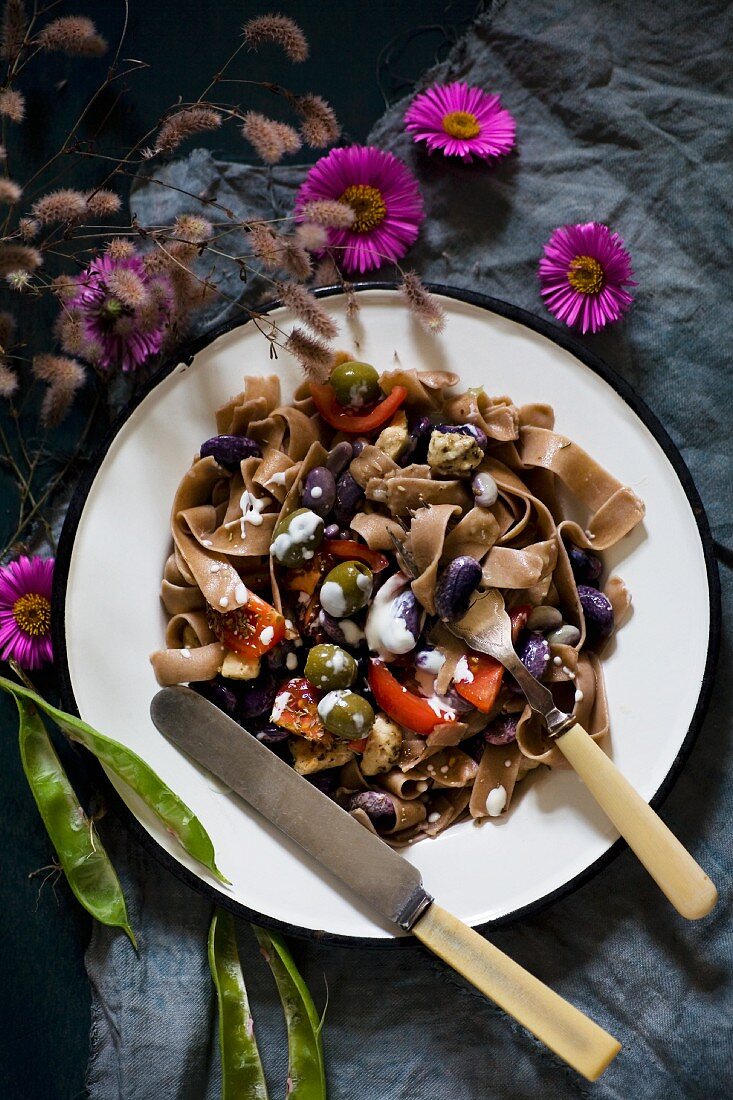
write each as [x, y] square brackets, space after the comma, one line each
[479, 681]
[296, 709]
[403, 706]
[518, 617]
[251, 630]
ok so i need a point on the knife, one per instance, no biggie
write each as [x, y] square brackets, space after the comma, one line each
[376, 873]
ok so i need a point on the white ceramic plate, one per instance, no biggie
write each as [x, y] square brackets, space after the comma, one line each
[116, 541]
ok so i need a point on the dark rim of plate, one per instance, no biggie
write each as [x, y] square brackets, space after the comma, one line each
[512, 313]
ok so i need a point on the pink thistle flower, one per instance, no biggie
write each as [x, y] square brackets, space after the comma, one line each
[461, 121]
[584, 274]
[281, 30]
[25, 611]
[124, 330]
[384, 196]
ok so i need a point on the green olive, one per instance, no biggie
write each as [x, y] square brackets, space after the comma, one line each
[346, 589]
[329, 667]
[346, 715]
[355, 384]
[296, 538]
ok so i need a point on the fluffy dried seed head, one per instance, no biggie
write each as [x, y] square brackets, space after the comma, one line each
[65, 287]
[127, 286]
[271, 140]
[421, 303]
[18, 258]
[12, 104]
[8, 381]
[295, 260]
[307, 309]
[192, 228]
[28, 228]
[182, 124]
[330, 213]
[103, 203]
[120, 248]
[74, 35]
[326, 272]
[64, 205]
[311, 237]
[266, 245]
[10, 192]
[64, 377]
[352, 301]
[12, 29]
[312, 354]
[279, 29]
[320, 126]
[7, 330]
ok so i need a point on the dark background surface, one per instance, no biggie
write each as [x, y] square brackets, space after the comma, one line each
[364, 53]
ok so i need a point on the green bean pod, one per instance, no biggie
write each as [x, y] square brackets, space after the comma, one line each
[82, 856]
[174, 814]
[242, 1076]
[306, 1067]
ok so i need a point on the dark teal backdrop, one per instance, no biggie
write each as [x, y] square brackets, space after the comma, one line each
[363, 52]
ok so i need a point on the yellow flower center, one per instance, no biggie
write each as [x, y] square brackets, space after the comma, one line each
[586, 275]
[32, 613]
[367, 204]
[461, 124]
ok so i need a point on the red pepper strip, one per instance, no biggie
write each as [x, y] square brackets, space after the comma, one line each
[338, 417]
[296, 707]
[400, 704]
[487, 673]
[358, 746]
[483, 689]
[241, 630]
[349, 550]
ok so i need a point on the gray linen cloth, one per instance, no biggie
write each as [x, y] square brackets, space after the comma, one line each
[623, 116]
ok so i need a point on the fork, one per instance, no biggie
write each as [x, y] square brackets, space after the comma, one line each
[486, 628]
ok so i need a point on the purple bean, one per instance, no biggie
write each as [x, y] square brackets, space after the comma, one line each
[417, 441]
[272, 735]
[378, 807]
[256, 696]
[332, 531]
[280, 659]
[586, 567]
[503, 730]
[333, 628]
[339, 457]
[357, 446]
[454, 588]
[597, 610]
[326, 781]
[405, 607]
[349, 495]
[319, 491]
[229, 450]
[534, 653]
[476, 433]
[219, 693]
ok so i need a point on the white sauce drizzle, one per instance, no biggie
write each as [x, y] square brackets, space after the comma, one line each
[579, 696]
[352, 632]
[291, 662]
[333, 600]
[316, 492]
[433, 817]
[496, 801]
[241, 595]
[387, 633]
[224, 602]
[431, 660]
[276, 479]
[252, 509]
[463, 674]
[185, 652]
[328, 702]
[281, 701]
[267, 634]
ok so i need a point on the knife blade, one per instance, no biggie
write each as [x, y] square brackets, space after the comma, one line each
[376, 873]
[360, 859]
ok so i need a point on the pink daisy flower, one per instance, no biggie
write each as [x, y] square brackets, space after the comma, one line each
[25, 611]
[125, 311]
[384, 196]
[461, 121]
[584, 274]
